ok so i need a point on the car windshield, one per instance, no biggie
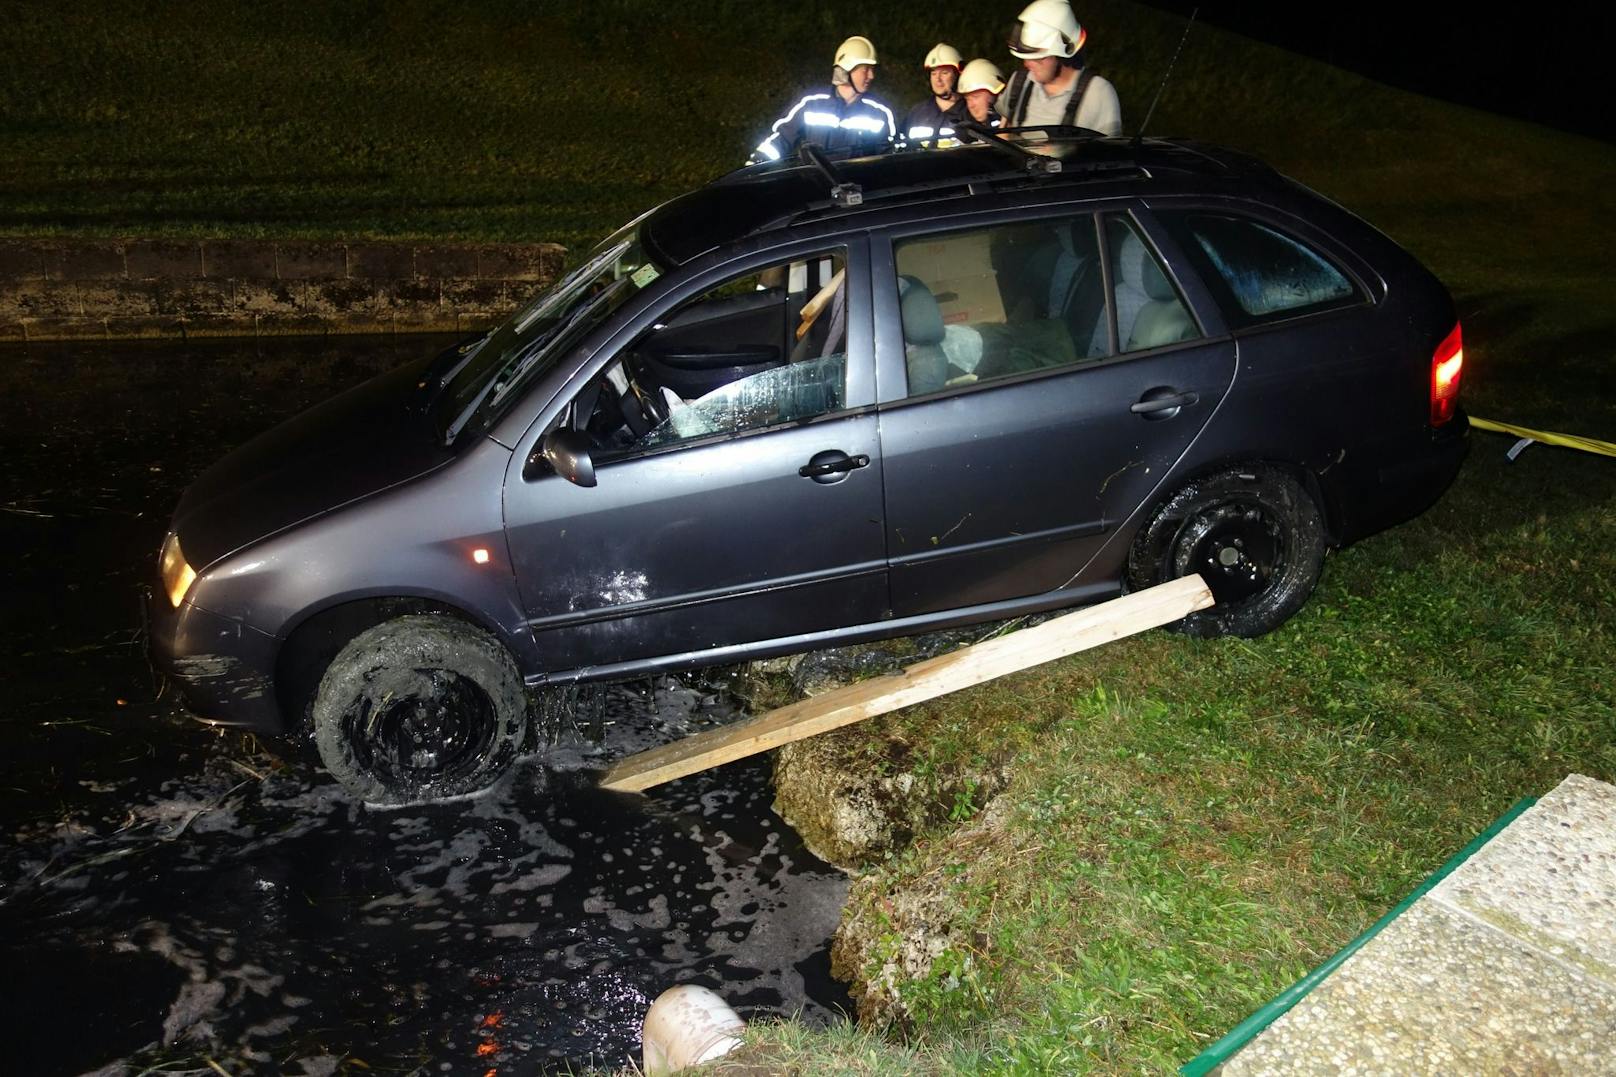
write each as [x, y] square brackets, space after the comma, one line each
[533, 338]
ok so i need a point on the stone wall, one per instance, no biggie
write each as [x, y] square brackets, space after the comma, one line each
[79, 289]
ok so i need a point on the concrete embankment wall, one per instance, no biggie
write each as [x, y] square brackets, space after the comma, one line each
[120, 289]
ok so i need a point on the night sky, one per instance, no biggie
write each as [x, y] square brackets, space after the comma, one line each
[1550, 64]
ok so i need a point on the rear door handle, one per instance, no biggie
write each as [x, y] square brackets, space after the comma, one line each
[831, 465]
[1162, 403]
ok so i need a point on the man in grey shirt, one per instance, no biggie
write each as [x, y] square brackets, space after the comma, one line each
[1056, 87]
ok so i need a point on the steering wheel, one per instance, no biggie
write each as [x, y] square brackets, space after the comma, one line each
[653, 409]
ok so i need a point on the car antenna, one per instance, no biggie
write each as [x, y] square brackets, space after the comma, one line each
[842, 192]
[1034, 162]
[1140, 135]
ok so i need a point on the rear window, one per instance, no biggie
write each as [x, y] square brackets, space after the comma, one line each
[1265, 273]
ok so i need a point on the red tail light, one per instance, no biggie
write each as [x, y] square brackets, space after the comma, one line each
[1446, 366]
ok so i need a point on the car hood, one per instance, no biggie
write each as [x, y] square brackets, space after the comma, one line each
[373, 436]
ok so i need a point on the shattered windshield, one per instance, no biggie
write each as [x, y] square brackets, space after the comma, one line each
[533, 338]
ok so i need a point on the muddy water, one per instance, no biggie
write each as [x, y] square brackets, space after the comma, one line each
[178, 896]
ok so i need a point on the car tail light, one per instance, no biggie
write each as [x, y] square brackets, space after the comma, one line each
[1446, 366]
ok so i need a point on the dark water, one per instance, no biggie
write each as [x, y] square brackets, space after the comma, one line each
[175, 895]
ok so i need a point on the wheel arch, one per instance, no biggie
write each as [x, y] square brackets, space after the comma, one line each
[1307, 477]
[319, 635]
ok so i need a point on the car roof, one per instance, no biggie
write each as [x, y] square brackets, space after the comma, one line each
[763, 198]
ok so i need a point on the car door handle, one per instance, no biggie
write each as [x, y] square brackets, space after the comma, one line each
[831, 463]
[1156, 402]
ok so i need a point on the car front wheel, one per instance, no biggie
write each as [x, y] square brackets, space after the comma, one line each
[1255, 536]
[419, 708]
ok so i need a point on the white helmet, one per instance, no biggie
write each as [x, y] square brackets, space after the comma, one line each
[1047, 28]
[854, 51]
[981, 74]
[942, 55]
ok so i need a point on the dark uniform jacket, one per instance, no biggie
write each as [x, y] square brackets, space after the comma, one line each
[864, 125]
[926, 121]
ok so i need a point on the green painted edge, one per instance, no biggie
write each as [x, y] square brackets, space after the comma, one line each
[1221, 1051]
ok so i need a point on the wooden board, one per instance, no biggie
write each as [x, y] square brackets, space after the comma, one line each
[1068, 634]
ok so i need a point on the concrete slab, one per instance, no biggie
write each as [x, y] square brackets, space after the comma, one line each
[1550, 877]
[1506, 966]
[1438, 992]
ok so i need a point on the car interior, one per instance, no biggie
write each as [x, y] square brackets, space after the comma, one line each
[759, 350]
[1025, 297]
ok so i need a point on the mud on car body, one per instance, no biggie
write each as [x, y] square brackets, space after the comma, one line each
[815, 404]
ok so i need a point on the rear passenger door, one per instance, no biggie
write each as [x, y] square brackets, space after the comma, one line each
[1037, 380]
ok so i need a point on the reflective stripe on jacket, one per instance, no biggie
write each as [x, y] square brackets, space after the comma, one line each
[926, 121]
[823, 118]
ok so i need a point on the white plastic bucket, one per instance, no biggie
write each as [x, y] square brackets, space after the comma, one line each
[686, 1026]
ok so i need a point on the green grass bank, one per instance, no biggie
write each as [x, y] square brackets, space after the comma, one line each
[1191, 824]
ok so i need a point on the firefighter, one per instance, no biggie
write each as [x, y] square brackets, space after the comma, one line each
[1056, 85]
[935, 117]
[840, 118]
[980, 85]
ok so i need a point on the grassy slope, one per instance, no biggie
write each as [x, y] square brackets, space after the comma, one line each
[1193, 824]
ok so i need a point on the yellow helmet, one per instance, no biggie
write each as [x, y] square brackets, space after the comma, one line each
[981, 74]
[854, 51]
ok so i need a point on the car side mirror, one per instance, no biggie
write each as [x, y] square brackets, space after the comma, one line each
[567, 452]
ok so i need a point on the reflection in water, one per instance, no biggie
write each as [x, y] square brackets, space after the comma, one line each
[171, 893]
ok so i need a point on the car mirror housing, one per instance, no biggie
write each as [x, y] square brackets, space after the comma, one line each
[567, 452]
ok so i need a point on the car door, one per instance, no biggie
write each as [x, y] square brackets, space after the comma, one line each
[737, 472]
[1038, 380]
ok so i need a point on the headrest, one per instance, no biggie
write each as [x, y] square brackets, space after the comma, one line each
[1138, 268]
[922, 317]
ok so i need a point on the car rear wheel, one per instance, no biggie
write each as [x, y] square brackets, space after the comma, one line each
[419, 708]
[1255, 536]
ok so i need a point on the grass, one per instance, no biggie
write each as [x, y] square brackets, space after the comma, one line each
[1191, 825]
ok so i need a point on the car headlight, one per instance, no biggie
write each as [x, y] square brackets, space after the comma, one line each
[177, 575]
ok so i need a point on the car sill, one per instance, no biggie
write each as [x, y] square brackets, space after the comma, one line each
[836, 637]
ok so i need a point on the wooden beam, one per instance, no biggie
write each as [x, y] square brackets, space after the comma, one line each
[1057, 638]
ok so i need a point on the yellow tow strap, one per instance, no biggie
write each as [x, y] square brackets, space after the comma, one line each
[1569, 441]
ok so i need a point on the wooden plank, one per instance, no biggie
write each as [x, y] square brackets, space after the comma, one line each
[1057, 638]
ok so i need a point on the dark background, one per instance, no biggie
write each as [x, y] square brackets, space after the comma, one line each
[1548, 63]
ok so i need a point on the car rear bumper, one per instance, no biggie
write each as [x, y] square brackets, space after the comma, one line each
[1403, 485]
[222, 668]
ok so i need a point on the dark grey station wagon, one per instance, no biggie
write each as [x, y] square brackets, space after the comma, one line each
[812, 404]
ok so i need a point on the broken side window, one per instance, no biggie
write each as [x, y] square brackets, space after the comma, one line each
[761, 349]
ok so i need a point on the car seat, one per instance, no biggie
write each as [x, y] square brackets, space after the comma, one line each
[923, 334]
[1149, 312]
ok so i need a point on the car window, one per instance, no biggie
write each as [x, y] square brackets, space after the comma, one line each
[1267, 272]
[1150, 312]
[759, 349]
[996, 302]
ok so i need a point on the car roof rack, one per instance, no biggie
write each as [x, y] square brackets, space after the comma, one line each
[842, 193]
[1036, 163]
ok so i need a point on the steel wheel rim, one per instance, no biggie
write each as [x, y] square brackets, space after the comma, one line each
[1237, 547]
[431, 727]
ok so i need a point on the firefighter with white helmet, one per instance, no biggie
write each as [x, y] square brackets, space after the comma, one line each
[980, 85]
[1056, 86]
[841, 118]
[935, 117]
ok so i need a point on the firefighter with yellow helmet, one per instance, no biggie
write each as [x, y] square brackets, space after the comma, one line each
[935, 117]
[1056, 86]
[840, 118]
[980, 85]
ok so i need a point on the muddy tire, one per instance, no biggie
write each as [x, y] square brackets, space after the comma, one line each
[419, 708]
[1256, 537]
